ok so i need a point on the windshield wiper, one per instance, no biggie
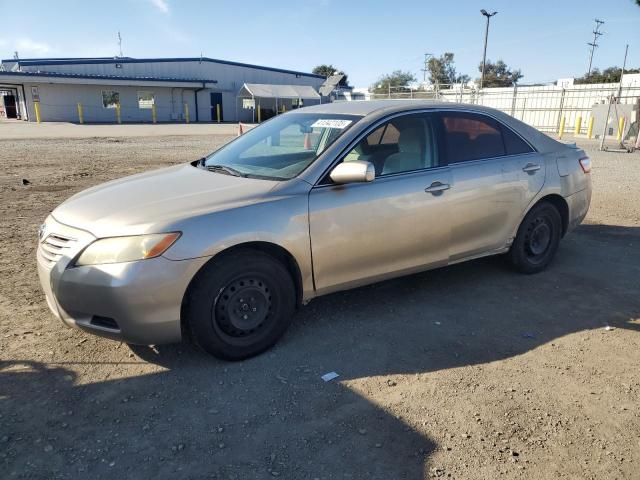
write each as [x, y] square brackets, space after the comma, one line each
[226, 170]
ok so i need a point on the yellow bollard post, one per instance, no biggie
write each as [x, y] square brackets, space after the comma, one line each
[620, 128]
[80, 113]
[36, 107]
[218, 112]
[186, 112]
[576, 131]
[561, 129]
[118, 114]
[590, 128]
[154, 113]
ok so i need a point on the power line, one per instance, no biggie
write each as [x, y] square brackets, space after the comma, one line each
[596, 34]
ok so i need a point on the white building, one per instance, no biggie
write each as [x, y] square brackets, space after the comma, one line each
[171, 89]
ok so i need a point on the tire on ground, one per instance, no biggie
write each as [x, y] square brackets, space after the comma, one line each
[537, 239]
[231, 295]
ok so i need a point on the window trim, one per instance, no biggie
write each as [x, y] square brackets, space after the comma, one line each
[370, 129]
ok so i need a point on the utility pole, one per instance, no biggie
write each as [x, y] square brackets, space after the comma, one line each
[425, 69]
[596, 33]
[624, 64]
[615, 99]
[486, 37]
[120, 43]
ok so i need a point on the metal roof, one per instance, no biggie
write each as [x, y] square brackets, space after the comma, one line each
[36, 75]
[263, 90]
[108, 60]
[330, 84]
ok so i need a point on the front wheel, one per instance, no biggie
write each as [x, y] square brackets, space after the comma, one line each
[240, 305]
[537, 239]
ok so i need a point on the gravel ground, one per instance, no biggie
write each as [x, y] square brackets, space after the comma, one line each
[468, 372]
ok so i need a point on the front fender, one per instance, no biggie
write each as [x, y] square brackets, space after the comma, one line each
[283, 221]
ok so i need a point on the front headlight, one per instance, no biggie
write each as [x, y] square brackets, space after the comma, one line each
[126, 249]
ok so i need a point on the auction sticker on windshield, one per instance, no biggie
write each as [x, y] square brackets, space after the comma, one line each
[331, 123]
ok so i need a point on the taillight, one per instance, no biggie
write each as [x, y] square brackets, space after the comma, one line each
[585, 164]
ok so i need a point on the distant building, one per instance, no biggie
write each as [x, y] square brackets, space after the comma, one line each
[565, 82]
[173, 88]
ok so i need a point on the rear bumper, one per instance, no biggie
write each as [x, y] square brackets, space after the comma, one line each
[578, 204]
[134, 302]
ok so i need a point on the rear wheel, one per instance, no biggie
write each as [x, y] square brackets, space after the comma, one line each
[240, 305]
[537, 239]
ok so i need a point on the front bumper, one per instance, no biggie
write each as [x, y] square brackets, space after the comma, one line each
[134, 302]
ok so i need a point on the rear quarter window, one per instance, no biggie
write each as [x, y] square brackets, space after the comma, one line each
[513, 143]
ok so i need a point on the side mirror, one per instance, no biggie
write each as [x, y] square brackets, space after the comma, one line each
[353, 172]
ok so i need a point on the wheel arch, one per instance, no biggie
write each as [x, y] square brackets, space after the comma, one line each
[559, 203]
[274, 250]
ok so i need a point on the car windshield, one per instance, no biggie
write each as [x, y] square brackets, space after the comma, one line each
[281, 148]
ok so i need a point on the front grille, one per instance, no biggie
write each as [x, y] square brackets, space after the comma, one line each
[53, 247]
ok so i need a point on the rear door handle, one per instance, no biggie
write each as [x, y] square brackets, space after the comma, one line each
[437, 187]
[531, 167]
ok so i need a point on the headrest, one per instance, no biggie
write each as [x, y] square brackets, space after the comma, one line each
[410, 140]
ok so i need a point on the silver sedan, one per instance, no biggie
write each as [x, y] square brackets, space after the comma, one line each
[224, 249]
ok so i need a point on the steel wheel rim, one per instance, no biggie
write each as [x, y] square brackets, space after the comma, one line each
[243, 308]
[538, 238]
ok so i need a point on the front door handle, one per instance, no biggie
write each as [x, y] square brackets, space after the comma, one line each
[437, 187]
[531, 168]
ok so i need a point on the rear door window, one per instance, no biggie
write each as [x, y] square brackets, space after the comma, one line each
[469, 136]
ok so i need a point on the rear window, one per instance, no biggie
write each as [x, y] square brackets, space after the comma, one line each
[469, 136]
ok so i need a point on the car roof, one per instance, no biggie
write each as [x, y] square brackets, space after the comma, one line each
[370, 106]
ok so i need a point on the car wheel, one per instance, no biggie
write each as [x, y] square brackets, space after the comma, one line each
[537, 239]
[240, 305]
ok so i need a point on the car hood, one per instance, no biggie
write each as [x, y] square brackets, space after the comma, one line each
[154, 200]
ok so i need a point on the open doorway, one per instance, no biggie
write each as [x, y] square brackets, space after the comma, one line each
[216, 103]
[10, 109]
[9, 103]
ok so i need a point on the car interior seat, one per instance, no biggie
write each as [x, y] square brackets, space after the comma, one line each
[411, 152]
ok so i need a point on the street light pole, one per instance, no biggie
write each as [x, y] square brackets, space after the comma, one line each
[486, 37]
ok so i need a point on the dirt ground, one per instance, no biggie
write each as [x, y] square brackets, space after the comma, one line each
[467, 372]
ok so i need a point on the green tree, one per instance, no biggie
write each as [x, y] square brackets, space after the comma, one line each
[398, 81]
[499, 74]
[608, 75]
[442, 71]
[328, 70]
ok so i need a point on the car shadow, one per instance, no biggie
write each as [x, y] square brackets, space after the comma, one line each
[273, 416]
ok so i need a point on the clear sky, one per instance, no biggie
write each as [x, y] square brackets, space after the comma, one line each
[545, 39]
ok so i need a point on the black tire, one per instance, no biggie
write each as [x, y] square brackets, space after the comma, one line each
[240, 305]
[537, 240]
